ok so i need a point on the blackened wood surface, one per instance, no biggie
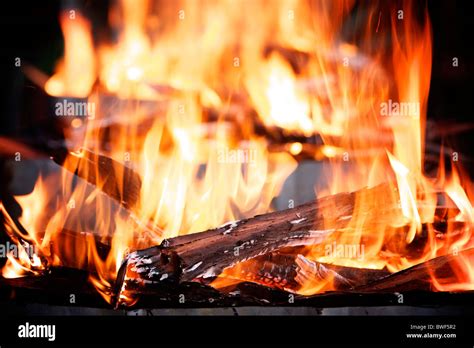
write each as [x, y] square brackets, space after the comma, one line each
[207, 254]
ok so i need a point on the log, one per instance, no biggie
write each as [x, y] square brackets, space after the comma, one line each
[79, 240]
[186, 264]
[446, 268]
[203, 256]
[57, 286]
[289, 272]
[67, 281]
[207, 254]
[414, 282]
[115, 179]
[341, 278]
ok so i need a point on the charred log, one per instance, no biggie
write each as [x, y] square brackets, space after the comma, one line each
[290, 272]
[206, 254]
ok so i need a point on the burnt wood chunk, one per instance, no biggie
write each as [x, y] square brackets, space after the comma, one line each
[290, 272]
[206, 254]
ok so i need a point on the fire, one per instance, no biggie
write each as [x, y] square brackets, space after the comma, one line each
[25, 259]
[179, 97]
[75, 74]
[182, 198]
[388, 238]
[279, 101]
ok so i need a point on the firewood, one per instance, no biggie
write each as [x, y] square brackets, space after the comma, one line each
[115, 179]
[56, 286]
[418, 277]
[206, 254]
[203, 256]
[268, 246]
[289, 272]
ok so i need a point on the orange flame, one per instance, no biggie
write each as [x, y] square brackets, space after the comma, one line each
[191, 81]
[76, 73]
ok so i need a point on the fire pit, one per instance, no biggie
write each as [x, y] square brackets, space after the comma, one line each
[192, 155]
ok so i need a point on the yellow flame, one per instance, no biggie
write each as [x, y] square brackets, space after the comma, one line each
[76, 73]
[191, 82]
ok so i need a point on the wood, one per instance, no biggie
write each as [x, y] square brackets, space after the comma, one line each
[341, 277]
[418, 277]
[115, 179]
[203, 256]
[82, 240]
[206, 254]
[266, 246]
[56, 287]
[289, 272]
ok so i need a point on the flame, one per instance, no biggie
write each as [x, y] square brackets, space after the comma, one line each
[180, 96]
[390, 228]
[193, 177]
[76, 73]
[29, 245]
[278, 99]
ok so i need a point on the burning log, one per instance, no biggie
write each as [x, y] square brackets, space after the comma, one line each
[415, 282]
[418, 277]
[82, 237]
[186, 264]
[410, 281]
[117, 180]
[248, 245]
[206, 254]
[342, 278]
[113, 178]
[289, 272]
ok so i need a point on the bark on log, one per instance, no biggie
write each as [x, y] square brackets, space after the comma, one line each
[184, 264]
[202, 256]
[57, 286]
[206, 254]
